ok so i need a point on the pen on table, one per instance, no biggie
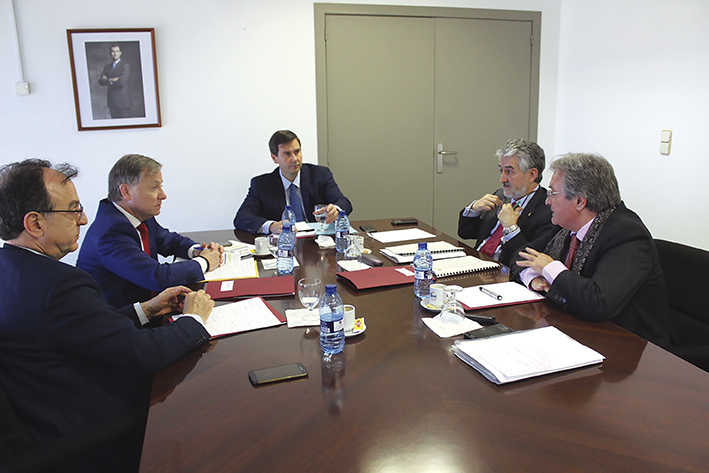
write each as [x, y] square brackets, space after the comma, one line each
[490, 293]
[482, 319]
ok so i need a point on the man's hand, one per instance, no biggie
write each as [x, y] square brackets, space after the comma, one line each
[198, 303]
[276, 227]
[486, 203]
[164, 303]
[539, 284]
[213, 246]
[534, 259]
[509, 215]
[213, 256]
[330, 212]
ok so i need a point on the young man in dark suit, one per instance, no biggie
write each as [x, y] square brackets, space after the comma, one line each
[121, 248]
[71, 364]
[603, 264]
[514, 214]
[294, 183]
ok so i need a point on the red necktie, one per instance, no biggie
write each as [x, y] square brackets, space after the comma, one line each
[492, 242]
[572, 251]
[143, 230]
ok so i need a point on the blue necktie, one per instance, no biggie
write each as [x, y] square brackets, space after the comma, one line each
[296, 203]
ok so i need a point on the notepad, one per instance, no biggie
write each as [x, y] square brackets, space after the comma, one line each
[401, 235]
[510, 293]
[432, 246]
[408, 258]
[465, 264]
[242, 316]
[233, 267]
[525, 354]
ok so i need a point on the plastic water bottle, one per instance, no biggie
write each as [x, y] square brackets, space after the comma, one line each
[332, 326]
[423, 266]
[286, 245]
[288, 215]
[342, 229]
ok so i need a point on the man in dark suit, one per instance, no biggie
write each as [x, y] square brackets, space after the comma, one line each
[293, 183]
[121, 247]
[603, 264]
[70, 362]
[515, 214]
[115, 77]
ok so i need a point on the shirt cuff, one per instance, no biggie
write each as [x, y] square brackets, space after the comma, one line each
[469, 212]
[142, 318]
[527, 276]
[511, 235]
[552, 270]
[192, 249]
[175, 318]
[202, 263]
[265, 228]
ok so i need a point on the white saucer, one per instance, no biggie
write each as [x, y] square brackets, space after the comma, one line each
[356, 332]
[426, 304]
[265, 253]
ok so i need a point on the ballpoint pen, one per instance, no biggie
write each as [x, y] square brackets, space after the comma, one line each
[490, 293]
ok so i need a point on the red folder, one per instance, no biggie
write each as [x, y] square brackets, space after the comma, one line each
[249, 287]
[378, 277]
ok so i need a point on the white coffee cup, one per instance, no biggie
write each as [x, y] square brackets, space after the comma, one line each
[438, 293]
[349, 317]
[261, 244]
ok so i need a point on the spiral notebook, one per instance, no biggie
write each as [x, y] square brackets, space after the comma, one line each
[433, 247]
[466, 264]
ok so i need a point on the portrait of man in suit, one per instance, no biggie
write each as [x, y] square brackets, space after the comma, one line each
[293, 183]
[514, 214]
[116, 78]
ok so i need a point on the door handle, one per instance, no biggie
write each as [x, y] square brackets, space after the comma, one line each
[439, 157]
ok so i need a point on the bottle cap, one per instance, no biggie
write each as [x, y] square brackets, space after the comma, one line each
[330, 288]
[423, 245]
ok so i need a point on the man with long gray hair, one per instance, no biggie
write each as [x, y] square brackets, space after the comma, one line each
[515, 214]
[121, 248]
[602, 265]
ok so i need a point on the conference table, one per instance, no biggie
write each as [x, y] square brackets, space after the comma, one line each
[398, 400]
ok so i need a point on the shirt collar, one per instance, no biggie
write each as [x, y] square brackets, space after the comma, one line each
[131, 218]
[286, 183]
[526, 198]
[583, 230]
[2, 245]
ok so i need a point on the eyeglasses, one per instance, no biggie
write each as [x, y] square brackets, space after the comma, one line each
[552, 193]
[78, 211]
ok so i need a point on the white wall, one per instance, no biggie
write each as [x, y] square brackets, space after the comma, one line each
[230, 73]
[626, 71]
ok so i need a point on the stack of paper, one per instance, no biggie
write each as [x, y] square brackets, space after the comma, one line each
[234, 267]
[525, 354]
[250, 314]
[466, 264]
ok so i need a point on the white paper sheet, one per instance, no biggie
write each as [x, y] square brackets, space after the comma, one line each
[271, 263]
[241, 316]
[446, 325]
[352, 265]
[233, 268]
[511, 292]
[302, 318]
[401, 235]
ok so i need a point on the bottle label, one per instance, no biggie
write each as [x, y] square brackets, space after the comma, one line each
[283, 254]
[332, 327]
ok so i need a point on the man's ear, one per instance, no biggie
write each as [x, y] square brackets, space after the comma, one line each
[274, 158]
[534, 173]
[125, 191]
[581, 203]
[34, 224]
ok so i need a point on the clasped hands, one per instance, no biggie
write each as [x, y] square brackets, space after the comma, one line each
[507, 215]
[213, 253]
[179, 299]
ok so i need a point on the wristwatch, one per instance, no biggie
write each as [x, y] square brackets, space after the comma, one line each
[511, 229]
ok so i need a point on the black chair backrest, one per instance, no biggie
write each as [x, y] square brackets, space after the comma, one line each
[685, 268]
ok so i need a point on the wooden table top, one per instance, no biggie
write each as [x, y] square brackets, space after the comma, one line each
[398, 400]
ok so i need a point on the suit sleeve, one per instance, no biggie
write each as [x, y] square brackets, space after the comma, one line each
[120, 253]
[249, 217]
[618, 275]
[84, 324]
[469, 227]
[331, 192]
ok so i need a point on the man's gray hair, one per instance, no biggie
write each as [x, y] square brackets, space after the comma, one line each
[529, 154]
[128, 170]
[590, 176]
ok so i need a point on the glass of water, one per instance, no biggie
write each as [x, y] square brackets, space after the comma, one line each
[310, 292]
[320, 218]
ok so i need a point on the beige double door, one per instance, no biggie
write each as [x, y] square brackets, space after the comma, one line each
[412, 109]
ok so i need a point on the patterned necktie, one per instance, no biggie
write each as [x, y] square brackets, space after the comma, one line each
[572, 251]
[143, 230]
[295, 203]
[492, 242]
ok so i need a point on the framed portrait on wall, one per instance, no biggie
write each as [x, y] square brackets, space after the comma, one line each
[115, 78]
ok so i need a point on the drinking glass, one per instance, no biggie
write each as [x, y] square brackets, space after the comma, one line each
[451, 306]
[320, 218]
[310, 292]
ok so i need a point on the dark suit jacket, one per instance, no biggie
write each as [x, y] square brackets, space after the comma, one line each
[111, 253]
[117, 93]
[68, 359]
[267, 199]
[621, 280]
[534, 223]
